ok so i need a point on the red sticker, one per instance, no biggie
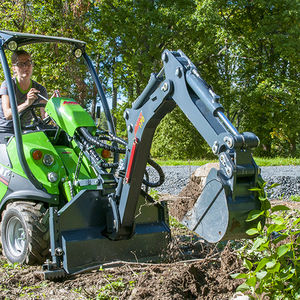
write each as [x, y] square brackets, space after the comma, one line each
[139, 123]
[71, 102]
[3, 180]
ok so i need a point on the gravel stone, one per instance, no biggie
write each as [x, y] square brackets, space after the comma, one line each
[288, 178]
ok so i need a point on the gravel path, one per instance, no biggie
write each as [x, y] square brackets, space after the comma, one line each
[287, 176]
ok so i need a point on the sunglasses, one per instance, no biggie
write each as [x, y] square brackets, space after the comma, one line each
[27, 63]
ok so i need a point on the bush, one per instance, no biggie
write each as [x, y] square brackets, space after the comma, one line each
[272, 258]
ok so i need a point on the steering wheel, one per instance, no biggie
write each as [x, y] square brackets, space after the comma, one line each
[38, 122]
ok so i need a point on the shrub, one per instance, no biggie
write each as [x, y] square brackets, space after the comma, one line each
[272, 258]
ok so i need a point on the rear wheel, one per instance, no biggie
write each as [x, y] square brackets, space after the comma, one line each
[25, 232]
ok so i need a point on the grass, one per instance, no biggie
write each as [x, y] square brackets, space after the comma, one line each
[295, 198]
[173, 162]
[261, 161]
[277, 161]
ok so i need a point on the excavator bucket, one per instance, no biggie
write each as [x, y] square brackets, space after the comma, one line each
[218, 214]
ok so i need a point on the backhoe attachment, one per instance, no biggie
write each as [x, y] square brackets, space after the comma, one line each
[222, 208]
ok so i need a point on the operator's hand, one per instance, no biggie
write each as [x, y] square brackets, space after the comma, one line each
[31, 96]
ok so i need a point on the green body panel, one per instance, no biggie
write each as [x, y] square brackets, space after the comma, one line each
[38, 141]
[3, 189]
[69, 115]
[70, 159]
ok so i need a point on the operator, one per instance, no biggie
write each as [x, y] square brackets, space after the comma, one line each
[26, 91]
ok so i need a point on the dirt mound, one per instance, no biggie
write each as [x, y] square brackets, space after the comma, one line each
[206, 278]
[203, 279]
[181, 204]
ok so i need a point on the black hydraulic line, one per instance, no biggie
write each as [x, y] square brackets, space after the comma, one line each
[103, 138]
[110, 122]
[160, 172]
[112, 138]
[96, 159]
[146, 179]
[106, 165]
[118, 140]
[92, 140]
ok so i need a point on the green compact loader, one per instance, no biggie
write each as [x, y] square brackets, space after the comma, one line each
[61, 190]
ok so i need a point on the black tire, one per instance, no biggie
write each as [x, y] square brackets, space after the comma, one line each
[25, 232]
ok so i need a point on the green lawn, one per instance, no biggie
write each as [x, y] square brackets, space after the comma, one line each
[261, 161]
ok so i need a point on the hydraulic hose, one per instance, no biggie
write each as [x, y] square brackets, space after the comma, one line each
[96, 142]
[92, 140]
[146, 179]
[112, 138]
[160, 172]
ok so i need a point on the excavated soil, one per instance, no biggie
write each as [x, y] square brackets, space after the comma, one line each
[181, 204]
[188, 276]
[190, 269]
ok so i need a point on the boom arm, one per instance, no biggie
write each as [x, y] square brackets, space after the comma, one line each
[222, 208]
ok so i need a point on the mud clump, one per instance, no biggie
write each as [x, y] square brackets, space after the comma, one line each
[181, 204]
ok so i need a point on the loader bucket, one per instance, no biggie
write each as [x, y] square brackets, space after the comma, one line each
[78, 243]
[217, 215]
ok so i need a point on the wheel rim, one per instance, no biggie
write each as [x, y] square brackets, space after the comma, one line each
[15, 236]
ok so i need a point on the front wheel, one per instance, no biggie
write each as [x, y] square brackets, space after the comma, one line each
[25, 232]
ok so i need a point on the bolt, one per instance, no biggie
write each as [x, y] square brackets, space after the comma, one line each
[178, 72]
[130, 128]
[59, 252]
[214, 148]
[228, 171]
[126, 115]
[229, 141]
[165, 57]
[222, 159]
[165, 87]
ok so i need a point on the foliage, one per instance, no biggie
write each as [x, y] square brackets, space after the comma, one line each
[175, 140]
[278, 161]
[175, 224]
[188, 162]
[295, 198]
[247, 50]
[256, 58]
[272, 258]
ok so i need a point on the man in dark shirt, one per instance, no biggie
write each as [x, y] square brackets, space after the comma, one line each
[26, 91]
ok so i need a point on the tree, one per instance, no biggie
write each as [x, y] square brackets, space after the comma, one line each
[247, 50]
[257, 44]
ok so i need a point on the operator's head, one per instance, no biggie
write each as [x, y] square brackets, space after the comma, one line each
[21, 64]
